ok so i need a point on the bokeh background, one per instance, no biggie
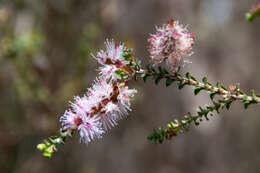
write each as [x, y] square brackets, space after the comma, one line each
[45, 60]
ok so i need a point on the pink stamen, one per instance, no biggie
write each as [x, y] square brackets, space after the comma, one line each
[151, 47]
[100, 83]
[125, 96]
[89, 125]
[90, 92]
[80, 106]
[116, 45]
[71, 111]
[192, 34]
[177, 34]
[109, 71]
[153, 37]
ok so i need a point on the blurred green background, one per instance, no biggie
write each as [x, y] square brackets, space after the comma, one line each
[45, 60]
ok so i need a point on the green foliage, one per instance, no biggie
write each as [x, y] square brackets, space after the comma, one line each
[50, 145]
[168, 82]
[180, 126]
[121, 74]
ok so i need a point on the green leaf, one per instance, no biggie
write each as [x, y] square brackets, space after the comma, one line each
[187, 75]
[246, 104]
[181, 84]
[218, 85]
[193, 78]
[41, 147]
[253, 94]
[217, 106]
[197, 90]
[148, 67]
[160, 69]
[157, 79]
[179, 69]
[169, 82]
[196, 123]
[204, 80]
[228, 104]
[212, 95]
[165, 71]
[150, 137]
[46, 154]
[224, 88]
[206, 117]
[145, 77]
[119, 73]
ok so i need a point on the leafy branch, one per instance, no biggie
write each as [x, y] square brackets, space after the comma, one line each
[233, 93]
[180, 126]
[50, 145]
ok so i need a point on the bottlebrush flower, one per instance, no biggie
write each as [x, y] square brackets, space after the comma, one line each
[99, 110]
[89, 127]
[171, 43]
[112, 59]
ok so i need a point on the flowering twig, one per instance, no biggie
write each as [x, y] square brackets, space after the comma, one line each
[108, 100]
[105, 103]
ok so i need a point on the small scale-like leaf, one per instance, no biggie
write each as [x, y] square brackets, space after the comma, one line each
[165, 71]
[253, 94]
[223, 87]
[212, 95]
[218, 85]
[181, 84]
[160, 69]
[206, 117]
[143, 75]
[168, 82]
[197, 90]
[187, 75]
[179, 69]
[157, 80]
[193, 78]
[246, 104]
[46, 154]
[204, 80]
[228, 104]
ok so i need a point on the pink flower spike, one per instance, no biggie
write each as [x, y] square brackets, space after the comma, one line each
[172, 43]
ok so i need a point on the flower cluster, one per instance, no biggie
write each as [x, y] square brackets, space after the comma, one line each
[171, 43]
[106, 102]
[111, 60]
